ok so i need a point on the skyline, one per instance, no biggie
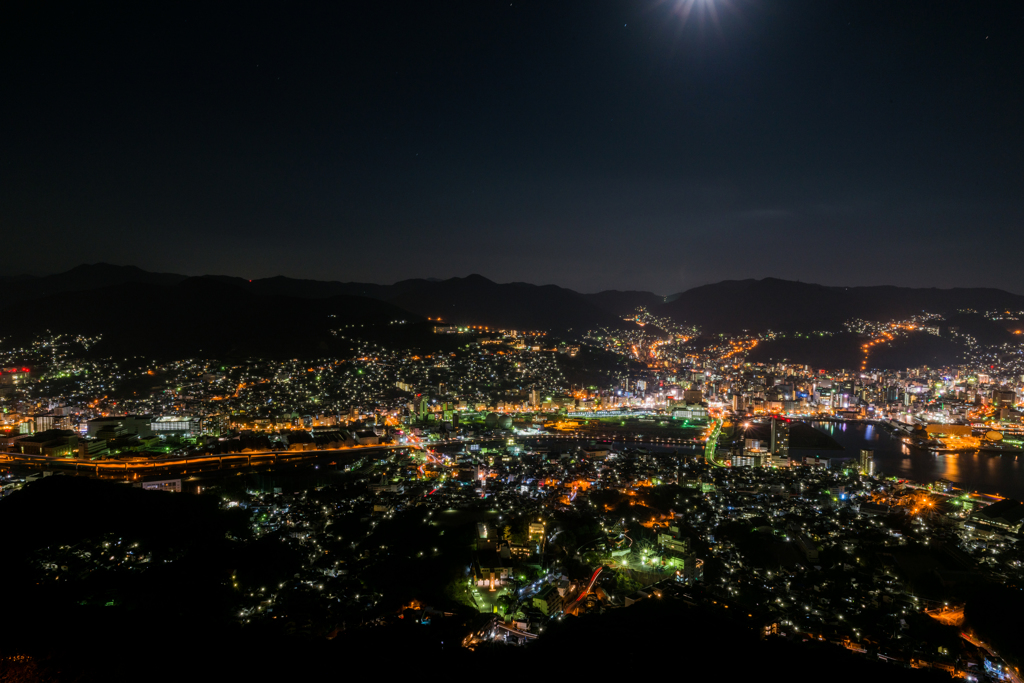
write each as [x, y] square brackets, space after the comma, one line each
[512, 336]
[595, 147]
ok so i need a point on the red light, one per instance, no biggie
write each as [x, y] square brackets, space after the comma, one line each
[24, 369]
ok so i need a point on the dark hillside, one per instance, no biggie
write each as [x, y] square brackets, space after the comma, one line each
[475, 300]
[782, 305]
[202, 316]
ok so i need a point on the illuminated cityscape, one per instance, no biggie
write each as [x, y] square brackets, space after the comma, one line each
[497, 484]
[525, 339]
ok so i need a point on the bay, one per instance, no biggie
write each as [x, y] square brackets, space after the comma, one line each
[1001, 474]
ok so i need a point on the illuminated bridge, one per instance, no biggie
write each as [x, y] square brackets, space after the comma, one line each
[712, 445]
[194, 463]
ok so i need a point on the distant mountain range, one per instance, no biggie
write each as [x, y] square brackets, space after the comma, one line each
[215, 312]
[785, 305]
[472, 300]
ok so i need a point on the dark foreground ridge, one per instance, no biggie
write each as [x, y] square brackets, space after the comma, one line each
[177, 614]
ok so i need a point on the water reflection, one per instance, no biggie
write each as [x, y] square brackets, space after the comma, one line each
[977, 470]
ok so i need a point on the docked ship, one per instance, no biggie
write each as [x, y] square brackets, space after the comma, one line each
[999, 447]
[994, 442]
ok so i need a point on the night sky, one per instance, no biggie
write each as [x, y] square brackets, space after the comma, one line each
[595, 145]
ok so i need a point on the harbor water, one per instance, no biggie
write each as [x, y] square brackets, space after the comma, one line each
[985, 472]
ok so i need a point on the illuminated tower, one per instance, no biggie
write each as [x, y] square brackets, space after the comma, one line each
[779, 446]
[867, 462]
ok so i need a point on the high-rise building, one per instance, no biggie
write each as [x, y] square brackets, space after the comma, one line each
[51, 421]
[218, 424]
[10, 377]
[176, 425]
[867, 462]
[779, 445]
[748, 459]
[1003, 397]
[132, 424]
